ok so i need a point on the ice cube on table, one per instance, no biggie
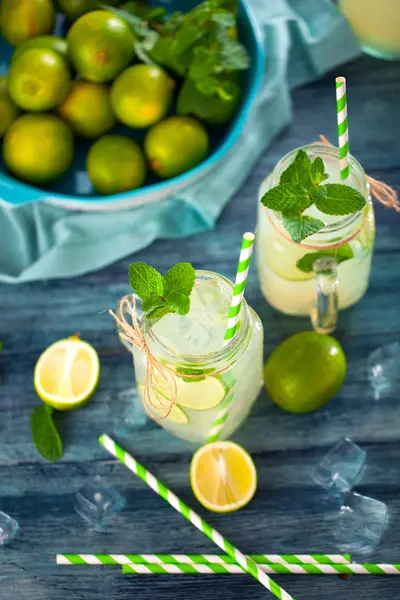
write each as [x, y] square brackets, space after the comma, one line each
[129, 414]
[360, 524]
[340, 468]
[384, 370]
[9, 528]
[98, 504]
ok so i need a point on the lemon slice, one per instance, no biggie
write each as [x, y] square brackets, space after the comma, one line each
[67, 373]
[223, 476]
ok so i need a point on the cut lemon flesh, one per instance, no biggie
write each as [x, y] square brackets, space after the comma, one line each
[223, 476]
[67, 373]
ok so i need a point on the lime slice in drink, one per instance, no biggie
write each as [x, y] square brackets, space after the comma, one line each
[223, 476]
[67, 373]
[176, 415]
[200, 395]
[305, 371]
[282, 256]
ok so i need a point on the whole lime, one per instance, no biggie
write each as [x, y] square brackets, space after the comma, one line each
[100, 45]
[87, 109]
[115, 164]
[73, 9]
[24, 19]
[175, 145]
[142, 95]
[305, 371]
[38, 80]
[38, 148]
[8, 111]
[47, 42]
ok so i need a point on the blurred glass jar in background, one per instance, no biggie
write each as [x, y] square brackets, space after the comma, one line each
[376, 23]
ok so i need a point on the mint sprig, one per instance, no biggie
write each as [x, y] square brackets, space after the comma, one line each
[341, 254]
[44, 433]
[300, 186]
[161, 295]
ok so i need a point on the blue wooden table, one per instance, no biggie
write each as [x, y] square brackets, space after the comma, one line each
[288, 514]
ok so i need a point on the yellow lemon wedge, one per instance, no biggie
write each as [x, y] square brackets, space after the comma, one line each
[223, 476]
[67, 373]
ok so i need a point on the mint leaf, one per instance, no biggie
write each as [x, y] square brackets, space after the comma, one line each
[151, 302]
[179, 303]
[318, 194]
[340, 199]
[159, 311]
[300, 227]
[145, 280]
[317, 171]
[287, 197]
[44, 433]
[299, 171]
[179, 280]
[305, 263]
[226, 19]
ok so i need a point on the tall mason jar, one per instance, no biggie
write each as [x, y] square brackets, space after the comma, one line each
[329, 286]
[376, 23]
[216, 385]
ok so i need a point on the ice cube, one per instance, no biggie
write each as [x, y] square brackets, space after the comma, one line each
[98, 504]
[384, 370]
[340, 468]
[360, 523]
[9, 528]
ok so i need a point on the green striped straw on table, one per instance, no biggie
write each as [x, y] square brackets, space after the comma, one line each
[279, 569]
[198, 559]
[232, 326]
[343, 127]
[245, 562]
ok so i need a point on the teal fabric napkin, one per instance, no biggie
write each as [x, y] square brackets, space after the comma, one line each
[303, 39]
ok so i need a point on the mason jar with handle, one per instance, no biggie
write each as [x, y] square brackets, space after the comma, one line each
[329, 270]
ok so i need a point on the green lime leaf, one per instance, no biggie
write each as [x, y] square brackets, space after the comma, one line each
[44, 433]
[287, 197]
[299, 171]
[317, 171]
[305, 263]
[179, 280]
[145, 280]
[301, 227]
[340, 199]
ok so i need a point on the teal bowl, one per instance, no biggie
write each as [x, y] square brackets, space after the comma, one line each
[75, 191]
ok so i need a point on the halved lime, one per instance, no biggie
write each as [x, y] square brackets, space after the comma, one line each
[67, 373]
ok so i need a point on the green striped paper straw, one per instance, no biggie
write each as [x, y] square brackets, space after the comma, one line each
[190, 569]
[198, 559]
[246, 563]
[343, 127]
[240, 284]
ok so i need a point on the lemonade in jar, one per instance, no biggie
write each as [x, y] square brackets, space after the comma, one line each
[196, 379]
[314, 252]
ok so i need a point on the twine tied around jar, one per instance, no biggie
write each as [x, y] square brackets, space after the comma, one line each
[157, 375]
[385, 194]
[160, 380]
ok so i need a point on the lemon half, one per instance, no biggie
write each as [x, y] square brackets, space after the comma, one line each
[223, 476]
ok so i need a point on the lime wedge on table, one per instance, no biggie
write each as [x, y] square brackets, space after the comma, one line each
[67, 373]
[223, 476]
[305, 371]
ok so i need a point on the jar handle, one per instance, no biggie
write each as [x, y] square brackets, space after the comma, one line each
[324, 314]
[122, 310]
